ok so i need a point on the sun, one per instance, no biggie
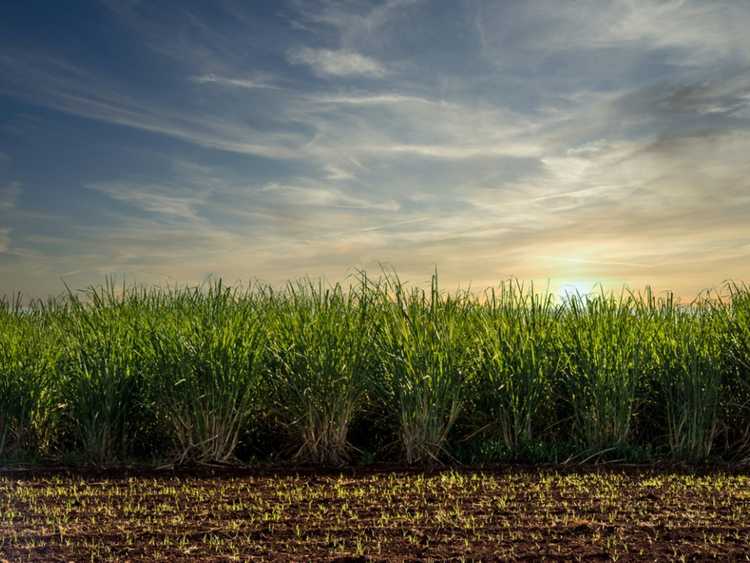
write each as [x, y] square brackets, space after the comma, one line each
[569, 288]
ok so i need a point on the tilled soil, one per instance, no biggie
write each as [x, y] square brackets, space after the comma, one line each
[489, 515]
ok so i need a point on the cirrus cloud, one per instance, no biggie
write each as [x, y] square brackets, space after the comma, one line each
[337, 63]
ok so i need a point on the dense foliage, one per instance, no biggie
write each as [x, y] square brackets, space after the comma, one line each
[374, 371]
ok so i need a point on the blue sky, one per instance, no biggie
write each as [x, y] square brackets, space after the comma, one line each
[569, 142]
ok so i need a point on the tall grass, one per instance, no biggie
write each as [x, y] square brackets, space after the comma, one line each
[688, 371]
[322, 357]
[207, 352]
[117, 373]
[101, 372]
[518, 359]
[425, 355]
[736, 343]
[26, 365]
[604, 360]
[692, 382]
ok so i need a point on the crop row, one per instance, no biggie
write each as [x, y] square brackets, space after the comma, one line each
[376, 370]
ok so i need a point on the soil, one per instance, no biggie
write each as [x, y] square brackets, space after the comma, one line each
[375, 515]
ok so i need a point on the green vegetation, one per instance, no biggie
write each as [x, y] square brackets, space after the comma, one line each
[320, 345]
[518, 354]
[425, 356]
[604, 351]
[208, 350]
[374, 371]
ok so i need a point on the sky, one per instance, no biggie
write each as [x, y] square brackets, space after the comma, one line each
[569, 143]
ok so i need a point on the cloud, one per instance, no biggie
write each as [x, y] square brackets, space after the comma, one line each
[357, 24]
[337, 63]
[458, 152]
[312, 196]
[702, 31]
[716, 95]
[178, 32]
[8, 195]
[248, 83]
[68, 88]
[695, 32]
[336, 173]
[4, 239]
[215, 133]
[374, 100]
[161, 200]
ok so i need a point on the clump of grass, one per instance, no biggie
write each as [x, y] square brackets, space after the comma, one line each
[689, 374]
[206, 352]
[736, 347]
[425, 355]
[321, 347]
[518, 334]
[102, 373]
[27, 359]
[604, 360]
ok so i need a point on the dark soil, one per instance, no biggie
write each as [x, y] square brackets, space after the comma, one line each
[506, 514]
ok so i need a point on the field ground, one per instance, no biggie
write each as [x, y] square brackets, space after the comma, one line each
[588, 514]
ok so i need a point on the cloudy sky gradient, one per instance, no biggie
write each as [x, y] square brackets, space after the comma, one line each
[568, 142]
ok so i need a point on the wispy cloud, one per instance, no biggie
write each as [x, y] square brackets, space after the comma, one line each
[248, 83]
[357, 23]
[4, 239]
[336, 173]
[323, 197]
[70, 89]
[326, 62]
[374, 100]
[695, 32]
[459, 152]
[8, 195]
[157, 199]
